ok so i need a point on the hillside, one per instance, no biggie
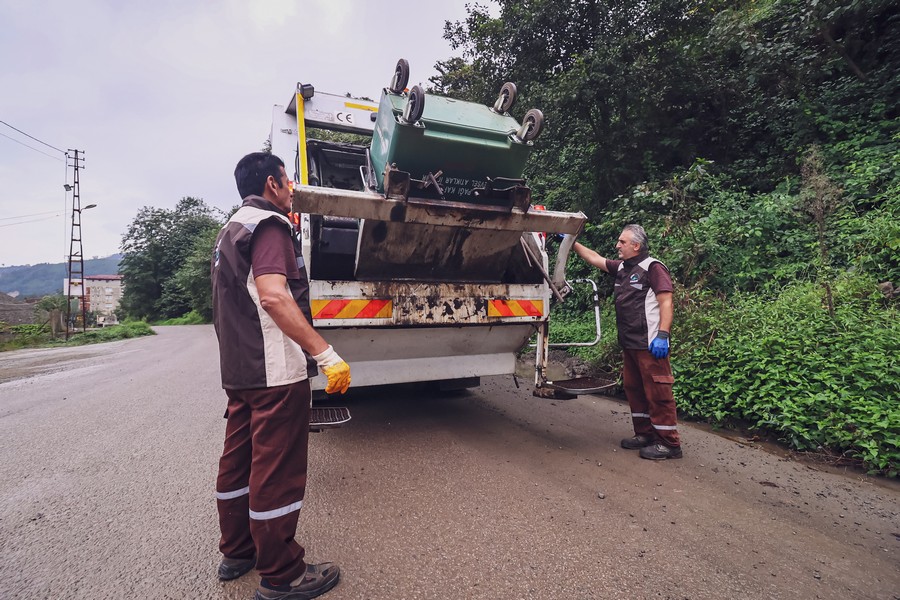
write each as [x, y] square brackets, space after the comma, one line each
[44, 279]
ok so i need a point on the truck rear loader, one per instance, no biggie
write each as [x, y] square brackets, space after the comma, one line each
[426, 256]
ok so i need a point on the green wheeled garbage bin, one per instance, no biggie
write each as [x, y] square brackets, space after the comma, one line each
[466, 147]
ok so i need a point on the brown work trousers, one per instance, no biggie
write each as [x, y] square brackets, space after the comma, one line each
[648, 386]
[262, 478]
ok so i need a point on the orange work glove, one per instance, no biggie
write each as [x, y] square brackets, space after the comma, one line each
[336, 370]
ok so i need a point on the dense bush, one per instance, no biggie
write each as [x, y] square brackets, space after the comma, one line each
[191, 318]
[754, 341]
[28, 329]
[782, 364]
[777, 362]
[14, 337]
[128, 329]
[30, 336]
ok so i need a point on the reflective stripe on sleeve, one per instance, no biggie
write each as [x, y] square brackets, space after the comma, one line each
[234, 494]
[278, 512]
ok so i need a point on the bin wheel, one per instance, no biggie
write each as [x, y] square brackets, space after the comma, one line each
[506, 99]
[401, 77]
[531, 125]
[415, 104]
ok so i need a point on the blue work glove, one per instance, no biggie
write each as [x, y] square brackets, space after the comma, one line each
[659, 347]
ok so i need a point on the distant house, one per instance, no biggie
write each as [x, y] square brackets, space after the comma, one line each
[102, 294]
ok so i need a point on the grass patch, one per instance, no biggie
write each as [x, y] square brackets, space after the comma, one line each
[191, 318]
[18, 337]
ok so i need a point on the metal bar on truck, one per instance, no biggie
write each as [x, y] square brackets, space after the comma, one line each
[367, 205]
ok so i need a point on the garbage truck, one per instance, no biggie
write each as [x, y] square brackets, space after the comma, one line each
[425, 252]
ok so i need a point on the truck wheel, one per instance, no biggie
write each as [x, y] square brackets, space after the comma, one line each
[400, 78]
[415, 104]
[531, 125]
[506, 99]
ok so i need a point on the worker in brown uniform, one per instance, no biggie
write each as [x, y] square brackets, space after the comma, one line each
[268, 349]
[643, 297]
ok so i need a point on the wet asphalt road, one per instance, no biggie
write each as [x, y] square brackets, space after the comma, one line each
[110, 452]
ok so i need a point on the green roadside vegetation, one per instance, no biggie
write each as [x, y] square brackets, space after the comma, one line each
[758, 142]
[17, 337]
[191, 318]
[784, 325]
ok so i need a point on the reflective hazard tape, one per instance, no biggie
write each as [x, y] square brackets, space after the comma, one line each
[346, 308]
[515, 308]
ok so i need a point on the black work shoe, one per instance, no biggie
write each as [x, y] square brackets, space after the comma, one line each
[638, 441]
[317, 580]
[232, 568]
[661, 452]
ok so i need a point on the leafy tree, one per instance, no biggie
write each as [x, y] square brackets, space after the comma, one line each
[193, 278]
[634, 89]
[155, 247]
[622, 98]
[48, 303]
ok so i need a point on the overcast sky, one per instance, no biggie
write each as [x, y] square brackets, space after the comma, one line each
[164, 97]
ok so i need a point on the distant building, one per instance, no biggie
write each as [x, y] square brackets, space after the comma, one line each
[102, 294]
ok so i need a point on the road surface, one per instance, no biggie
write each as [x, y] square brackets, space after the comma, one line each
[110, 454]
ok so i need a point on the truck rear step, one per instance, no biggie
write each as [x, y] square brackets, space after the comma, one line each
[328, 417]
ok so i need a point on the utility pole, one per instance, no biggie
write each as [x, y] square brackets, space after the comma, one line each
[76, 256]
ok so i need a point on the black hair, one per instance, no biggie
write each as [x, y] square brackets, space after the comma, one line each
[253, 170]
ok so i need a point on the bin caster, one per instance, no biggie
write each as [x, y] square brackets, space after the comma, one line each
[400, 78]
[506, 99]
[531, 125]
[415, 105]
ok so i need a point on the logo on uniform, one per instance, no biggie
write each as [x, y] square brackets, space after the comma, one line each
[633, 278]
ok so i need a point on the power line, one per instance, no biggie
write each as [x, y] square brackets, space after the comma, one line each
[30, 221]
[32, 137]
[48, 212]
[33, 148]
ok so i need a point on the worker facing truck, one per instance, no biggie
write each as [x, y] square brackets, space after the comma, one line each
[268, 351]
[643, 296]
